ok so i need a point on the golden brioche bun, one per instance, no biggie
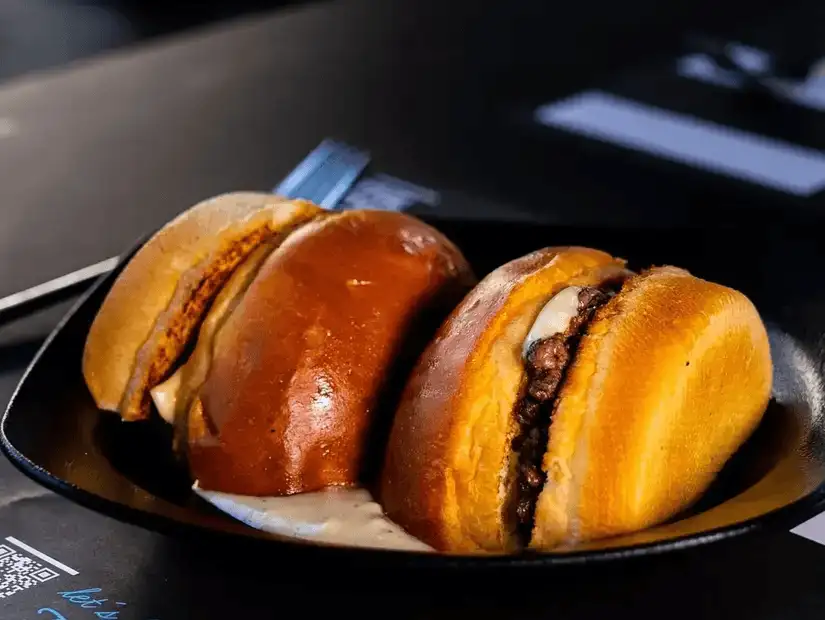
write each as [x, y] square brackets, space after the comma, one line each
[672, 376]
[298, 367]
[449, 465]
[161, 295]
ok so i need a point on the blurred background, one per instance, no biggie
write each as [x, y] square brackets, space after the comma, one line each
[43, 34]
[121, 113]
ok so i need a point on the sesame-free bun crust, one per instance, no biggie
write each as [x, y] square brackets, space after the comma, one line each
[448, 461]
[159, 298]
[670, 379]
[298, 368]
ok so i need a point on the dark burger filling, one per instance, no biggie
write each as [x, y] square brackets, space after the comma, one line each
[547, 361]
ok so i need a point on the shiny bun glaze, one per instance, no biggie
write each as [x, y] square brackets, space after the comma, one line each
[299, 367]
[670, 378]
[448, 461]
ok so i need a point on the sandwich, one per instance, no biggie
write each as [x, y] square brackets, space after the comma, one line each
[160, 297]
[269, 334]
[568, 399]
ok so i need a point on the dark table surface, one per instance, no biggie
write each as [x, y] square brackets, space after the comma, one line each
[94, 156]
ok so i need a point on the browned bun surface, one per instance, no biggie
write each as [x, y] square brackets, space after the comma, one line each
[449, 462]
[673, 375]
[159, 298]
[298, 367]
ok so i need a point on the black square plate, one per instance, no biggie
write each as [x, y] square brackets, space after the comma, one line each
[54, 433]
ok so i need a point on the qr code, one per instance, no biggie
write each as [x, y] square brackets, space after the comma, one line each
[19, 572]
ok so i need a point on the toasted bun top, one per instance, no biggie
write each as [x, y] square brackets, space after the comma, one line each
[160, 296]
[670, 379]
[298, 367]
[448, 460]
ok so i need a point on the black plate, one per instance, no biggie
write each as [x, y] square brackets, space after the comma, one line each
[53, 432]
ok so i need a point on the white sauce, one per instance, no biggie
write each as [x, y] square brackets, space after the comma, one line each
[165, 397]
[336, 516]
[554, 317]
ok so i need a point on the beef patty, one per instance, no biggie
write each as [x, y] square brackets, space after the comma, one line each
[546, 361]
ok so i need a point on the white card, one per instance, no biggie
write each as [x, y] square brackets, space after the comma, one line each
[689, 140]
[812, 529]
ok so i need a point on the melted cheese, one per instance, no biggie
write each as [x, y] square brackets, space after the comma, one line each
[554, 317]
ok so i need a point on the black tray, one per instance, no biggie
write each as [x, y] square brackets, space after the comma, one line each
[54, 433]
